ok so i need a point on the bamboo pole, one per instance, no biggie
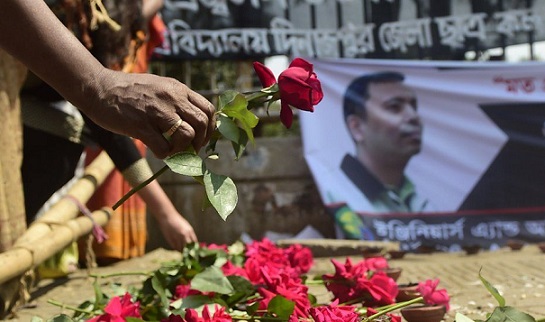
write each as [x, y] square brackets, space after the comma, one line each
[19, 259]
[65, 209]
[52, 232]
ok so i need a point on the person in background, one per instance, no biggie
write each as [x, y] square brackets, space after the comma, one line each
[142, 106]
[54, 141]
[162, 112]
[128, 236]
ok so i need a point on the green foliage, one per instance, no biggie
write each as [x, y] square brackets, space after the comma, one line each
[492, 290]
[212, 280]
[281, 307]
[200, 267]
[235, 123]
[222, 193]
[502, 313]
[234, 105]
[186, 163]
[507, 313]
[61, 318]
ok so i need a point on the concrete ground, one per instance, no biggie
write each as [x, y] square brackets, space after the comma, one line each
[518, 275]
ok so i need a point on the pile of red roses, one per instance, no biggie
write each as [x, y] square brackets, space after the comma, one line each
[258, 282]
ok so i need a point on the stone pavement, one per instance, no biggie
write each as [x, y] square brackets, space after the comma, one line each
[518, 275]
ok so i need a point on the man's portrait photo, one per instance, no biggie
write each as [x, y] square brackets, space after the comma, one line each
[426, 151]
[381, 115]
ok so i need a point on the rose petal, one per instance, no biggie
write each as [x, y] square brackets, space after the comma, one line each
[266, 76]
[286, 115]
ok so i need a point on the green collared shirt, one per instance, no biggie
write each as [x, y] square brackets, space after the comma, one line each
[384, 199]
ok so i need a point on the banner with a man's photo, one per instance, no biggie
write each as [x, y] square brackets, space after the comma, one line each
[481, 165]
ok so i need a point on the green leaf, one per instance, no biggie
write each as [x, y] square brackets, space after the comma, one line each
[507, 313]
[236, 248]
[212, 279]
[228, 128]
[252, 308]
[237, 109]
[241, 145]
[186, 163]
[228, 98]
[281, 307]
[194, 301]
[159, 287]
[492, 290]
[462, 318]
[312, 298]
[206, 203]
[87, 306]
[243, 290]
[221, 192]
[211, 147]
[59, 318]
[131, 319]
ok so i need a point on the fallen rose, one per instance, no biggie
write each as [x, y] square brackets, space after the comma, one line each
[433, 296]
[334, 313]
[118, 309]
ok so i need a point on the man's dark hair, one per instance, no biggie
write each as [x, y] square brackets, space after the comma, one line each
[358, 91]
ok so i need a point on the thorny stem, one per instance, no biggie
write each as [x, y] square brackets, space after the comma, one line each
[260, 318]
[73, 308]
[121, 274]
[138, 187]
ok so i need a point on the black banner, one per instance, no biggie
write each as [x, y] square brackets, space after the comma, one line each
[236, 29]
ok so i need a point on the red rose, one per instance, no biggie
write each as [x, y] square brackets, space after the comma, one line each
[346, 283]
[229, 269]
[300, 258]
[382, 289]
[334, 313]
[173, 318]
[298, 85]
[376, 263]
[286, 286]
[433, 296]
[118, 309]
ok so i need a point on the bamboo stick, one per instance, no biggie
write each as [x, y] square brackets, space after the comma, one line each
[25, 256]
[65, 209]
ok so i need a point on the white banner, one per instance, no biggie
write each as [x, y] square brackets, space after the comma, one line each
[482, 145]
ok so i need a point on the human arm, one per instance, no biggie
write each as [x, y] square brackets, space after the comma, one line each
[138, 105]
[150, 8]
[176, 230]
[135, 169]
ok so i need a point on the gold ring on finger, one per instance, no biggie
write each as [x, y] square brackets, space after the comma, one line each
[168, 134]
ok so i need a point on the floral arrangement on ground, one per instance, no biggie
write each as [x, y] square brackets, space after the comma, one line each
[260, 281]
